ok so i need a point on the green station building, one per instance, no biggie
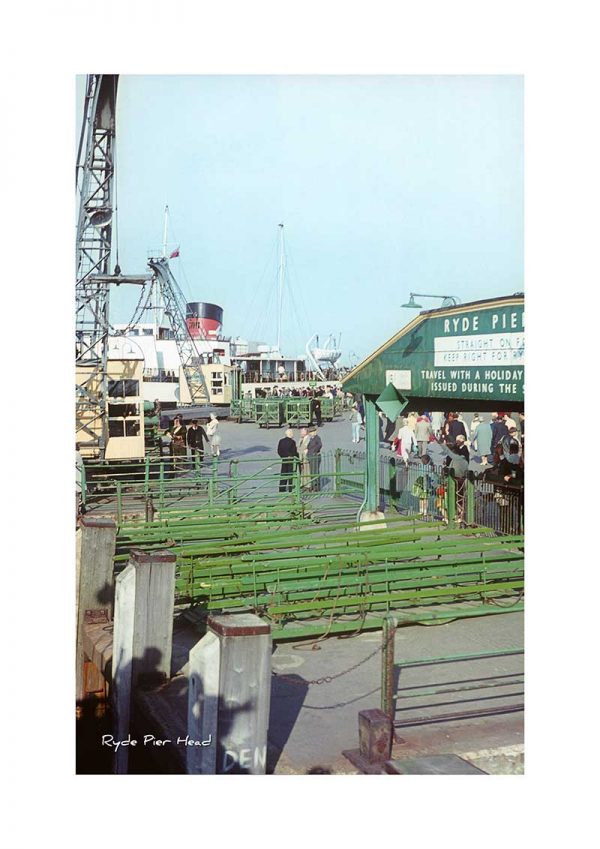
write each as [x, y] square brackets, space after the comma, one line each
[469, 357]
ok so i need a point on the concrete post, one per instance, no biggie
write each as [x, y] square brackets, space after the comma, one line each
[153, 615]
[95, 586]
[229, 697]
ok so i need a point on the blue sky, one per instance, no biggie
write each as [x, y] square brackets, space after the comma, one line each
[385, 185]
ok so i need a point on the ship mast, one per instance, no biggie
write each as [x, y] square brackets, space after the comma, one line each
[280, 292]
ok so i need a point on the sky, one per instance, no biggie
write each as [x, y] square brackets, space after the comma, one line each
[385, 185]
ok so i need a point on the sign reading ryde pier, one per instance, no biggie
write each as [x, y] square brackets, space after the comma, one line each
[475, 352]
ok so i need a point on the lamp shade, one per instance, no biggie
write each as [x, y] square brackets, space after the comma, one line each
[411, 304]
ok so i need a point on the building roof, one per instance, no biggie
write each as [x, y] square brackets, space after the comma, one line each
[483, 338]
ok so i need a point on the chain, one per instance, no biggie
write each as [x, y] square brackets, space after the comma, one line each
[327, 679]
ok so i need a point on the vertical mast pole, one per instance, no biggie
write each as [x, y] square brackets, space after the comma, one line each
[165, 231]
[280, 297]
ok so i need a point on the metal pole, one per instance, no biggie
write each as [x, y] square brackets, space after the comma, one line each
[119, 502]
[280, 294]
[338, 471]
[372, 454]
[451, 496]
[161, 486]
[388, 635]
[470, 499]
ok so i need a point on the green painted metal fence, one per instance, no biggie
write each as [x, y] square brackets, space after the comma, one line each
[429, 492]
[486, 690]
[169, 483]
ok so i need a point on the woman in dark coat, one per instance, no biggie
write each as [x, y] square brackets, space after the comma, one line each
[178, 433]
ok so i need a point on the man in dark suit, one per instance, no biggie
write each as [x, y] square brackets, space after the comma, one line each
[287, 450]
[196, 437]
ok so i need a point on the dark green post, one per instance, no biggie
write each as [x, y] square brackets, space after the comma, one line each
[297, 482]
[146, 476]
[161, 485]
[470, 499]
[372, 454]
[338, 471]
[451, 496]
[233, 478]
[119, 503]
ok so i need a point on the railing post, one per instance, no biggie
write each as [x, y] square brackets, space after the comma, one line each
[470, 499]
[387, 665]
[338, 471]
[161, 485]
[451, 496]
[214, 475]
[119, 502]
[297, 481]
[233, 474]
[229, 696]
[146, 476]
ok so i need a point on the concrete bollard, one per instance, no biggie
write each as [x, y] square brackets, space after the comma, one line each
[153, 616]
[95, 587]
[229, 697]
[142, 635]
[374, 735]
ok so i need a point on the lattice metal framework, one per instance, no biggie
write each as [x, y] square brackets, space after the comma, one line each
[175, 312]
[94, 237]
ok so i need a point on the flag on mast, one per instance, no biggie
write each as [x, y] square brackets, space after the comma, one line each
[175, 253]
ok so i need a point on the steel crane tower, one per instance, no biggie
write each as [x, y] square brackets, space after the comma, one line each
[95, 181]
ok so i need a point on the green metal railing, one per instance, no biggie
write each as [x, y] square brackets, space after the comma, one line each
[180, 481]
[493, 686]
[426, 491]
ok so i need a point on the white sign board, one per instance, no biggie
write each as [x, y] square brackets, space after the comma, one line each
[399, 378]
[489, 349]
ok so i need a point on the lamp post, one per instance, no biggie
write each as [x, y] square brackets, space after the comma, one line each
[447, 300]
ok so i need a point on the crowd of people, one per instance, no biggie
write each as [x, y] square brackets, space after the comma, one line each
[492, 446]
[488, 440]
[294, 392]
